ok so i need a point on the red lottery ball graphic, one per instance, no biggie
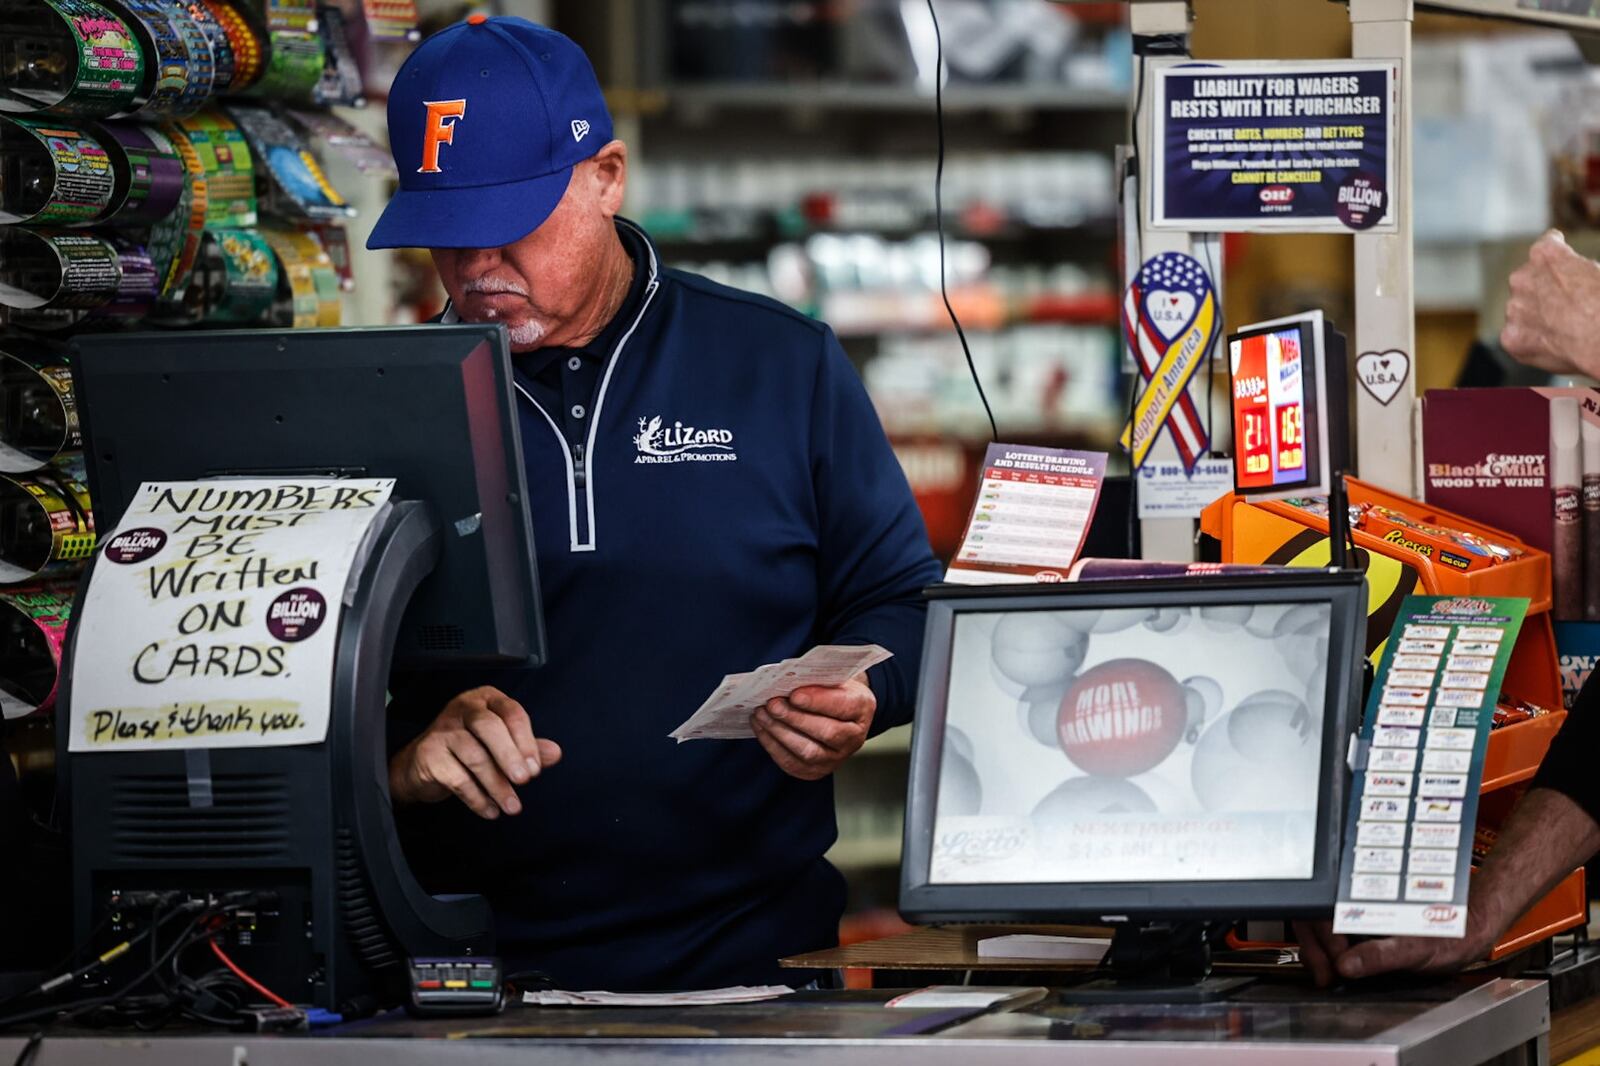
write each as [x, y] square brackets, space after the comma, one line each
[1122, 718]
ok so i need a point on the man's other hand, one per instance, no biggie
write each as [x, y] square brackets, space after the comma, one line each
[817, 728]
[1330, 956]
[479, 748]
[1553, 316]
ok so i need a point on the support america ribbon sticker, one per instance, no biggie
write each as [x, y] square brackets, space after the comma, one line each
[1169, 317]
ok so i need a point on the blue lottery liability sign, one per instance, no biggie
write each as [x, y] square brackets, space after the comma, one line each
[1286, 147]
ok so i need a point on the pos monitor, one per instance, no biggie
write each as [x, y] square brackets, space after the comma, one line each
[306, 831]
[1290, 405]
[429, 406]
[1133, 752]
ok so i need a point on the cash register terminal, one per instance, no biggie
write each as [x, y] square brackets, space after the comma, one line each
[306, 832]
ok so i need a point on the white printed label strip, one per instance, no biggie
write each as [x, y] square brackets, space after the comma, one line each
[1423, 678]
[1374, 886]
[1458, 697]
[1379, 860]
[1417, 697]
[1386, 784]
[1384, 809]
[1420, 632]
[1442, 716]
[1388, 736]
[1469, 647]
[1403, 759]
[1452, 739]
[1435, 835]
[1464, 679]
[1406, 716]
[1431, 861]
[1488, 633]
[1430, 888]
[1380, 834]
[1438, 810]
[1444, 761]
[1422, 647]
[1415, 662]
[1443, 786]
[1481, 663]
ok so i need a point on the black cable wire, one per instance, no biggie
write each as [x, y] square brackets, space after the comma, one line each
[73, 1010]
[1132, 269]
[30, 1050]
[938, 216]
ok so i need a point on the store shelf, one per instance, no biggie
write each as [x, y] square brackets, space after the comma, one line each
[865, 853]
[800, 97]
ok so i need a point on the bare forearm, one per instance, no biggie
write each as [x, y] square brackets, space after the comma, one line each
[1546, 837]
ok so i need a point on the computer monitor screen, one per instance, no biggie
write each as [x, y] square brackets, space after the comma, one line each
[1160, 746]
[430, 406]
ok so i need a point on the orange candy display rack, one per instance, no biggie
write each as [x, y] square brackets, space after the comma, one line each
[1278, 533]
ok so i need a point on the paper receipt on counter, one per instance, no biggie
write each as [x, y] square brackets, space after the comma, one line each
[726, 714]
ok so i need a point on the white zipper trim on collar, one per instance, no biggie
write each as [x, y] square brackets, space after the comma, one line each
[575, 542]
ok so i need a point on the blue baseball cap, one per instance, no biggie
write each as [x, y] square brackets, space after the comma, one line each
[487, 118]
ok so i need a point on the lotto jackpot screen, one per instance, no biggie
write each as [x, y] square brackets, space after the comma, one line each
[1144, 744]
[1269, 399]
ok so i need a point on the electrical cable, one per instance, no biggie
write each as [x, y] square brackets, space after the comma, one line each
[73, 1010]
[216, 949]
[938, 217]
[30, 1050]
[1132, 270]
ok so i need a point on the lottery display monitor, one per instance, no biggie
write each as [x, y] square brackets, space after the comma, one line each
[1290, 406]
[1133, 750]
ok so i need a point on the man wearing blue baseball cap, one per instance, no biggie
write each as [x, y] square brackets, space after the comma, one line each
[711, 490]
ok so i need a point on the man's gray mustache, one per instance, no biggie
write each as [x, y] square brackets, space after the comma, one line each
[490, 286]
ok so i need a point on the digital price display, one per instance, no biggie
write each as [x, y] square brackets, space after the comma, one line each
[1269, 397]
[1290, 408]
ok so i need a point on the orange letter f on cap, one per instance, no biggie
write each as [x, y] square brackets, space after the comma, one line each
[442, 115]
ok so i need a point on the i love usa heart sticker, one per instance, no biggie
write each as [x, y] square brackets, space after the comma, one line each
[1383, 374]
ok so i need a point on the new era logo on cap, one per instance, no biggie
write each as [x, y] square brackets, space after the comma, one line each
[482, 129]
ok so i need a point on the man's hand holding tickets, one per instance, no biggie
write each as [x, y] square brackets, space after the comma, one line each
[816, 728]
[810, 713]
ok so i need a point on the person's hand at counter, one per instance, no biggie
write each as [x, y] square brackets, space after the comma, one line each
[1545, 838]
[810, 734]
[478, 749]
[1553, 316]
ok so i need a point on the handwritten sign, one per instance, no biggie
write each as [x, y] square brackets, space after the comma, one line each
[212, 613]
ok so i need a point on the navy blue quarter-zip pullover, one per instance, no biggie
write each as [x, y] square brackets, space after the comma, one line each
[727, 499]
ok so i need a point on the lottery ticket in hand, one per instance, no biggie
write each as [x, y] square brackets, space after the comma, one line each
[725, 715]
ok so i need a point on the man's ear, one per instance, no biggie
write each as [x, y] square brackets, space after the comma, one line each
[610, 175]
